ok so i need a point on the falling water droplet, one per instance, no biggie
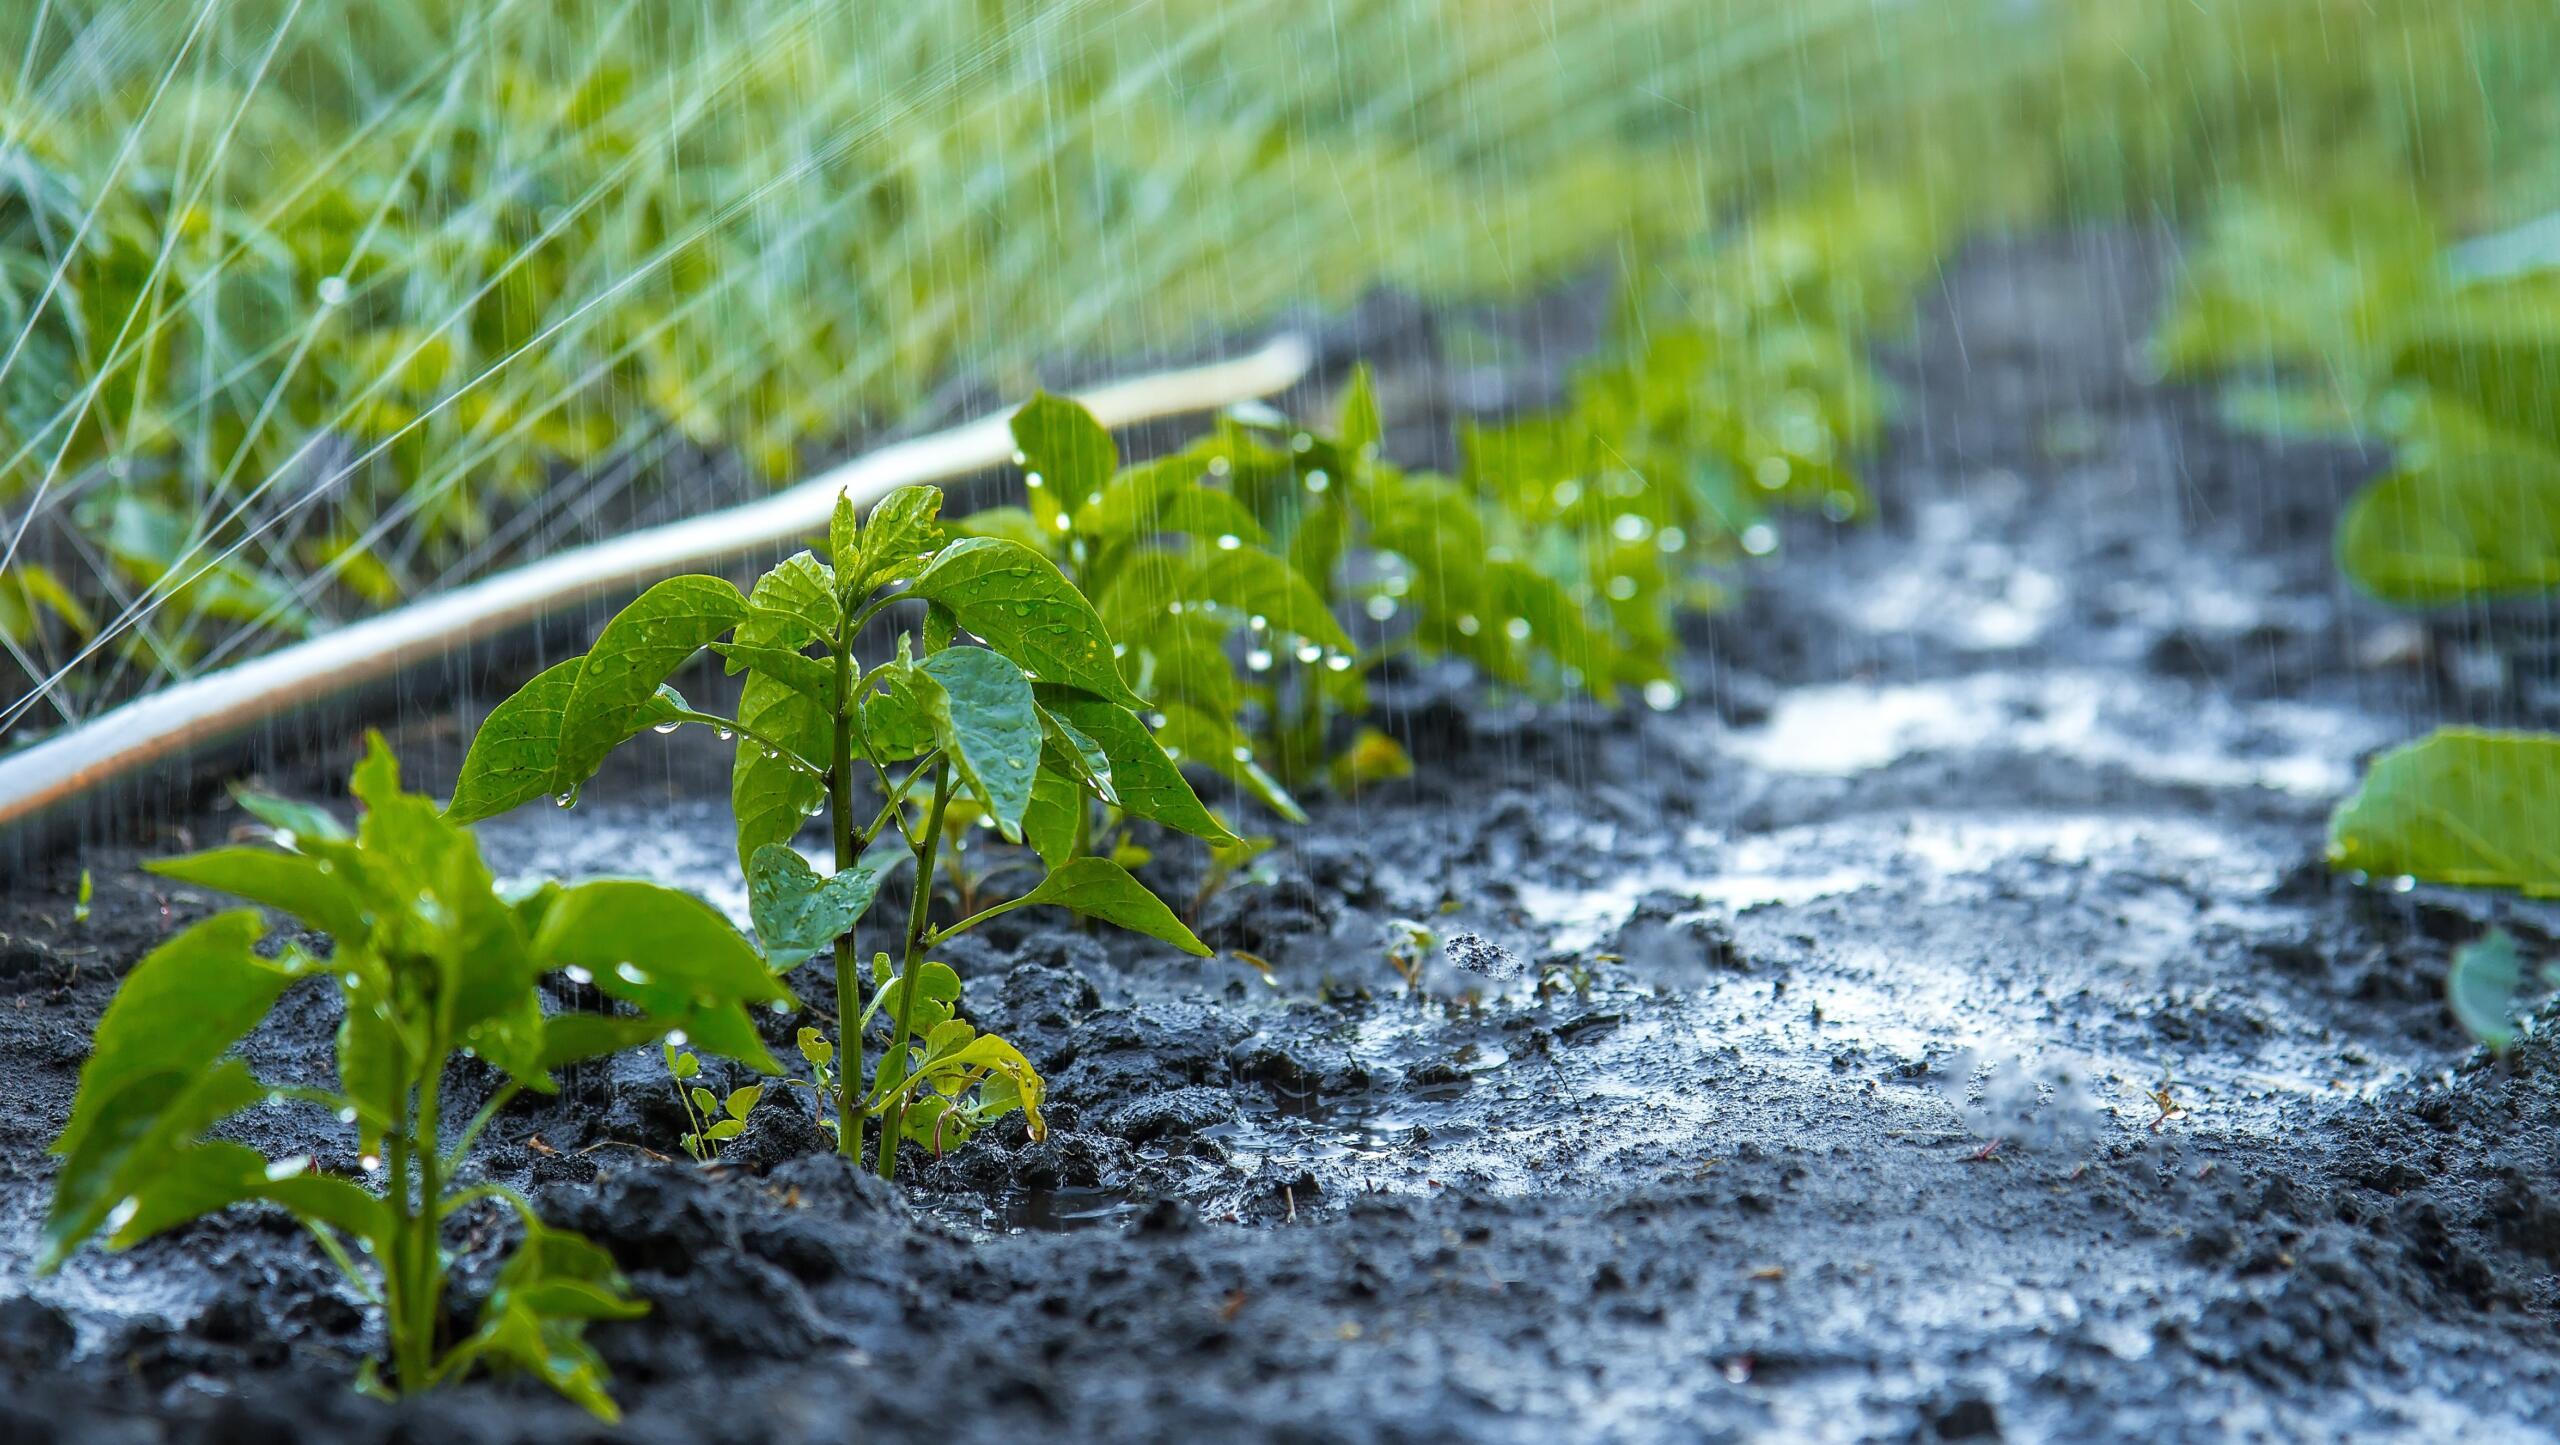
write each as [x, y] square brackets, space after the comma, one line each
[1309, 653]
[347, 1115]
[370, 1163]
[1380, 608]
[1317, 481]
[1517, 629]
[1259, 659]
[676, 1038]
[1759, 539]
[1229, 541]
[333, 290]
[565, 798]
[1468, 626]
[1338, 662]
[1661, 694]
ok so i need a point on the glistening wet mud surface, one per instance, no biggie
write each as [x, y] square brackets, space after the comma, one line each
[1968, 1043]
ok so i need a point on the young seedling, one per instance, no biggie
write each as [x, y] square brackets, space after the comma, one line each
[1007, 702]
[431, 962]
[716, 1120]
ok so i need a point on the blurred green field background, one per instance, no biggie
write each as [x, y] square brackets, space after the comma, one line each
[310, 305]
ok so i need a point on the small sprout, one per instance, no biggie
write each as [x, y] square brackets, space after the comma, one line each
[80, 903]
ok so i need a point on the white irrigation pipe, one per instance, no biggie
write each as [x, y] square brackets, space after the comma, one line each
[202, 710]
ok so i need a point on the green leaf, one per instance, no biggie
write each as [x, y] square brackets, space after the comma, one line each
[937, 995]
[1067, 456]
[177, 1011]
[812, 678]
[990, 729]
[1191, 736]
[790, 607]
[1358, 432]
[289, 819]
[1026, 609]
[1078, 754]
[2497, 356]
[1148, 783]
[569, 1037]
[844, 532]
[2472, 524]
[670, 954]
[189, 1183]
[2463, 806]
[516, 753]
[741, 1102]
[797, 913]
[901, 534]
[899, 706]
[316, 894]
[2481, 986]
[1049, 824]
[1098, 888]
[1005, 1076]
[643, 643]
[1248, 583]
[536, 1316]
[723, 1130]
[119, 1145]
[815, 1048]
[1014, 524]
[1167, 496]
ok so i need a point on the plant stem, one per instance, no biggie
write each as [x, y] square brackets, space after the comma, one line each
[409, 1361]
[847, 959]
[893, 1123]
[427, 1290]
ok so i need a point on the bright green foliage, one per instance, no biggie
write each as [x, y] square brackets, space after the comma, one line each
[716, 1119]
[1555, 563]
[2372, 329]
[1027, 724]
[431, 962]
[2483, 984]
[2463, 806]
[2351, 319]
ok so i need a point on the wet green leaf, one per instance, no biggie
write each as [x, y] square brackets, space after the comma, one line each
[844, 533]
[1049, 823]
[901, 534]
[2463, 806]
[1026, 609]
[2474, 523]
[306, 888]
[1098, 888]
[2481, 987]
[798, 914]
[812, 678]
[989, 727]
[1249, 583]
[670, 954]
[643, 643]
[1148, 783]
[1069, 453]
[1013, 524]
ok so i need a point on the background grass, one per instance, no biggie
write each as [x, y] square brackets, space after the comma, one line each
[308, 305]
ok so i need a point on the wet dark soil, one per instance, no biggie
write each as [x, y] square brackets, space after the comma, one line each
[1949, 1034]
